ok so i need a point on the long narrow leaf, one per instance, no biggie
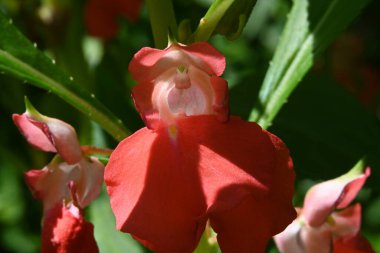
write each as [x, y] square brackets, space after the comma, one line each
[311, 26]
[19, 57]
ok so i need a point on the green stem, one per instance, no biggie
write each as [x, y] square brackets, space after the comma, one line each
[26, 72]
[162, 19]
[92, 150]
[210, 21]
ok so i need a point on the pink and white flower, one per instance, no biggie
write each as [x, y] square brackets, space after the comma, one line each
[319, 228]
[65, 186]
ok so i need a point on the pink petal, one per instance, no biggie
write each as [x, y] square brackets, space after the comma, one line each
[142, 63]
[65, 231]
[90, 180]
[149, 62]
[164, 93]
[65, 140]
[288, 241]
[51, 184]
[207, 53]
[51, 135]
[163, 184]
[347, 222]
[352, 244]
[323, 198]
[316, 239]
[36, 134]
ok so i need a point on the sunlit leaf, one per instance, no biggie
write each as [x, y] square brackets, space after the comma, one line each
[329, 132]
[21, 58]
[311, 26]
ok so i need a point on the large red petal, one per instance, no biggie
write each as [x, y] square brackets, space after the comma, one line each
[154, 191]
[323, 198]
[352, 244]
[243, 229]
[268, 208]
[162, 183]
[65, 231]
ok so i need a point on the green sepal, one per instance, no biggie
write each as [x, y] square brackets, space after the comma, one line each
[358, 169]
[32, 111]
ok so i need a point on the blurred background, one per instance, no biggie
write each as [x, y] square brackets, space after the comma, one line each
[329, 122]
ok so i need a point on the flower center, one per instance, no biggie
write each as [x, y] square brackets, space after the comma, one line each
[185, 98]
[182, 79]
[187, 91]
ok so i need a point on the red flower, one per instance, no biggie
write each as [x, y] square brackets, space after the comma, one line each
[69, 181]
[101, 16]
[318, 226]
[193, 164]
[65, 231]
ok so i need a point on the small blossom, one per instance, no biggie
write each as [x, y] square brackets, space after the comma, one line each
[193, 164]
[319, 228]
[50, 184]
[64, 230]
[65, 186]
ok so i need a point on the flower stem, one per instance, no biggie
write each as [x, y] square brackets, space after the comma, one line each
[209, 22]
[92, 150]
[162, 19]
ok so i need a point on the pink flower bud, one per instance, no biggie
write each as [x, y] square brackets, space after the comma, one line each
[318, 226]
[49, 134]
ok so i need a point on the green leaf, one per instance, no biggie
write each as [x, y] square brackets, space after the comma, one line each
[330, 132]
[108, 238]
[162, 20]
[19, 57]
[311, 26]
[210, 21]
[225, 17]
